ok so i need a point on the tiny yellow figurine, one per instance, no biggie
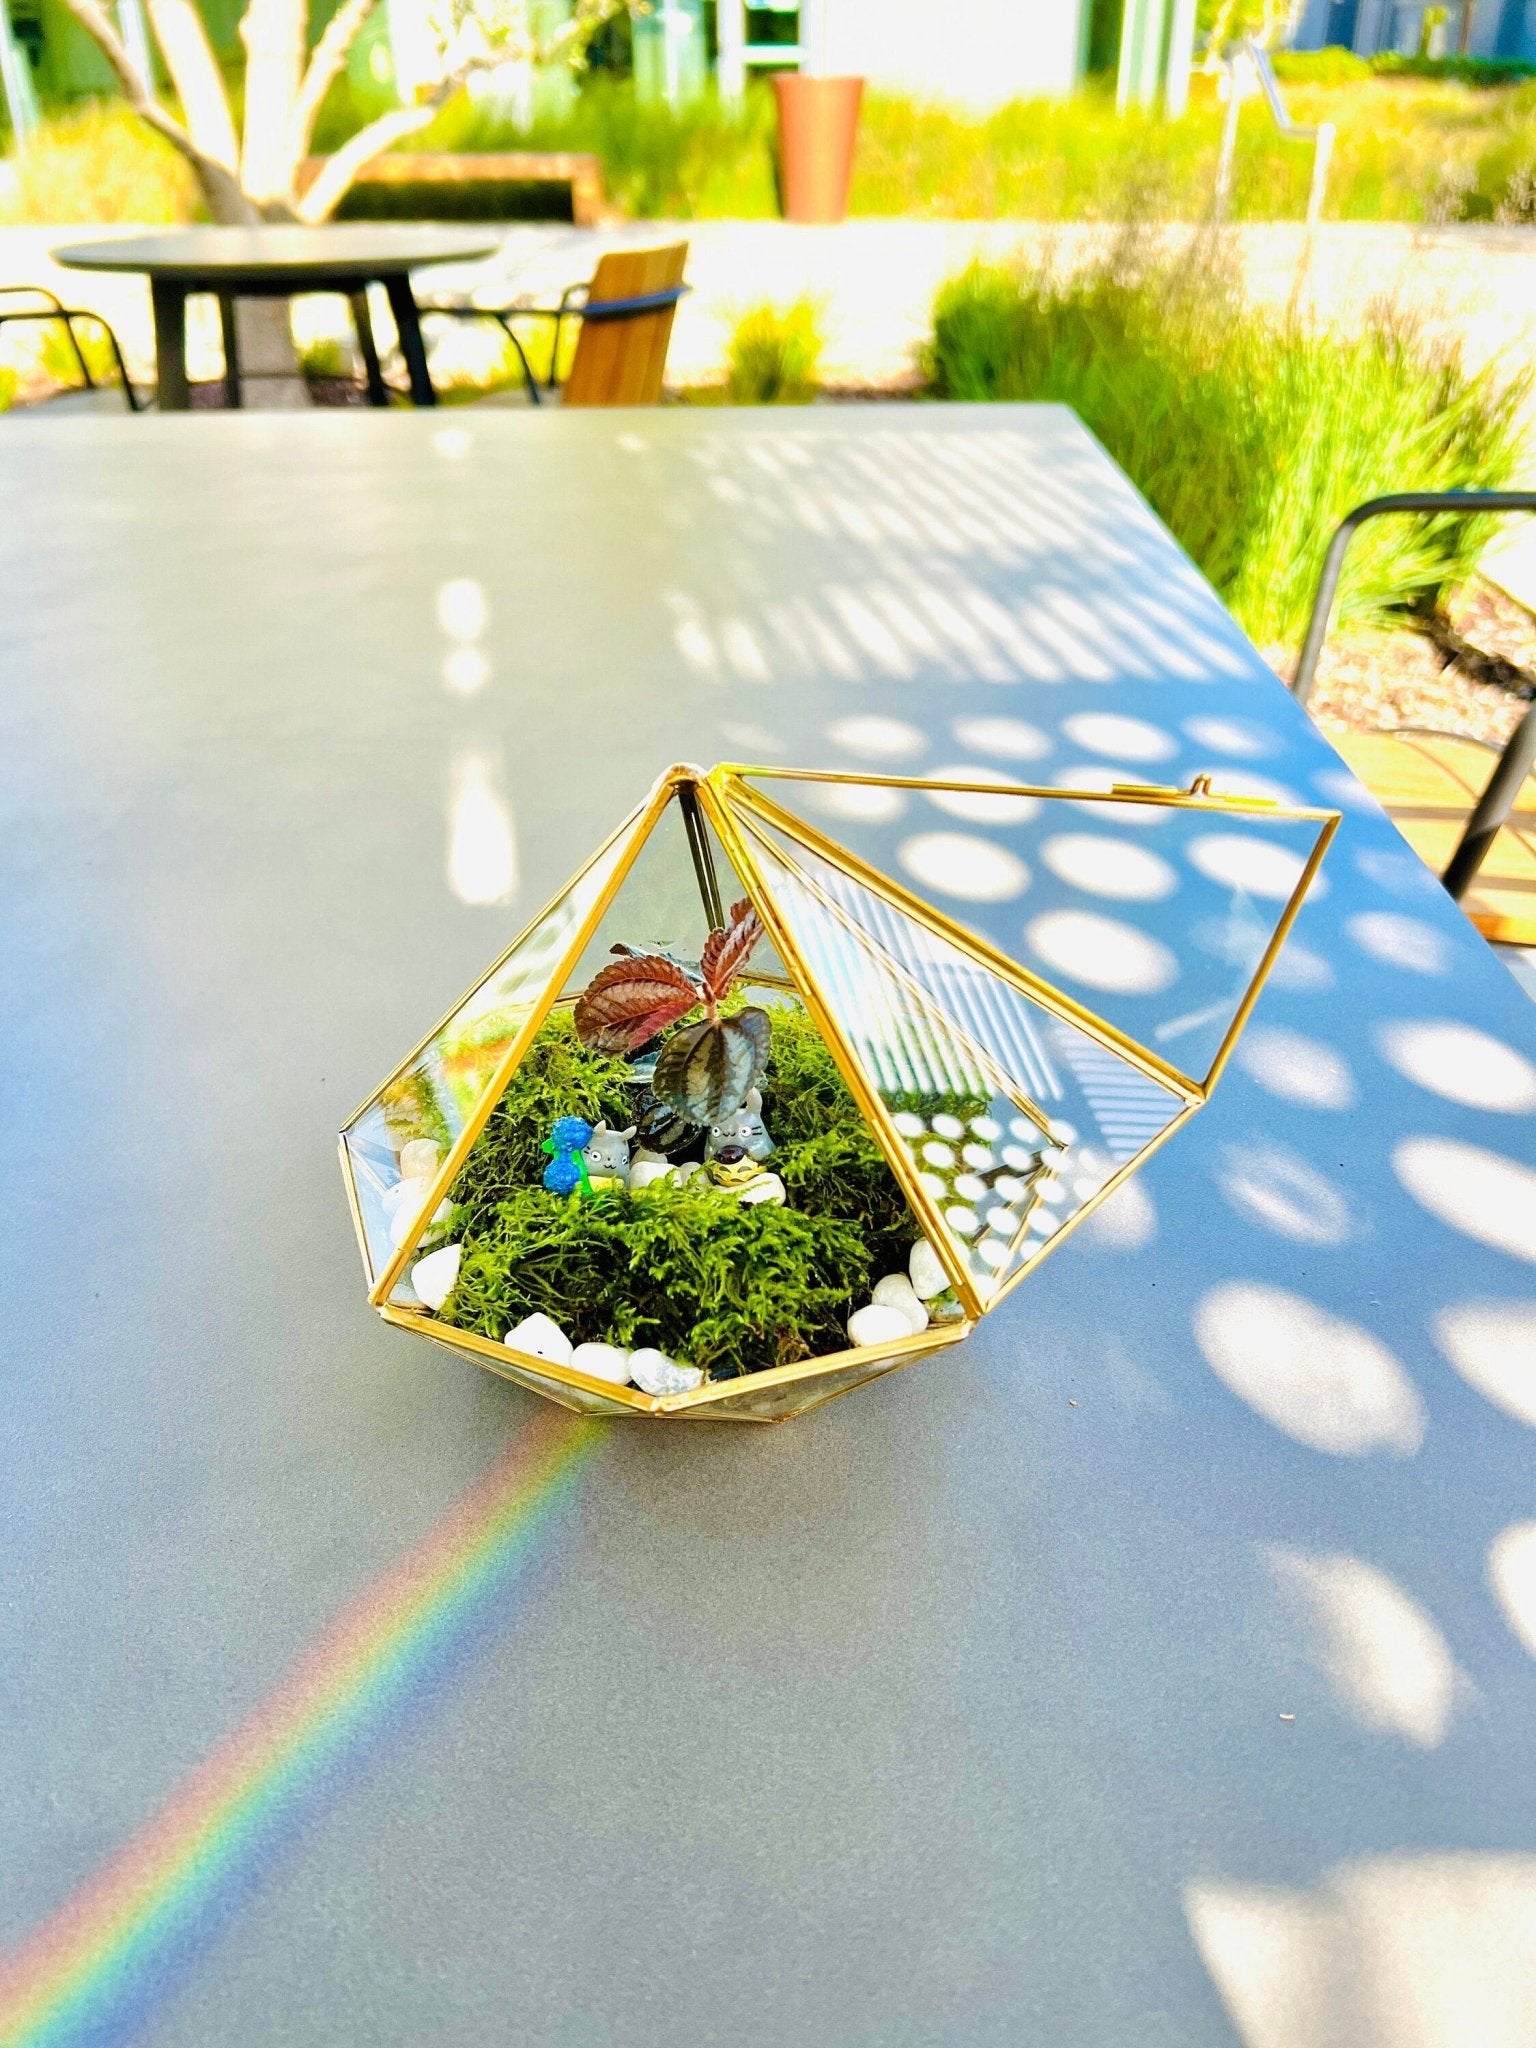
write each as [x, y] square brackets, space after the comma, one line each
[736, 1172]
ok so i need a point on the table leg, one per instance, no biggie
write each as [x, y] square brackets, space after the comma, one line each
[368, 348]
[402, 305]
[232, 396]
[169, 302]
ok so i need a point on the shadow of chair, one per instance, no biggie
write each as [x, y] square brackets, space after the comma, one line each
[626, 313]
[53, 310]
[1431, 782]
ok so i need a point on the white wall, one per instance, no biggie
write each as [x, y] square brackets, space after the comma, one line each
[977, 53]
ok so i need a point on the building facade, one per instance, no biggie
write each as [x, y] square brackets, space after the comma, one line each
[1474, 28]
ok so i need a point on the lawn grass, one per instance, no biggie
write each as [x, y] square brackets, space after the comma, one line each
[1250, 434]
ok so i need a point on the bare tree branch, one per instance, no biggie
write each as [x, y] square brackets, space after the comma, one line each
[198, 81]
[320, 201]
[326, 61]
[225, 199]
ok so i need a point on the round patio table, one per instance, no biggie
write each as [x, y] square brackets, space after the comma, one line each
[281, 263]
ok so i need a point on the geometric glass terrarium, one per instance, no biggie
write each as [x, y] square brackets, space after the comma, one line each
[742, 1120]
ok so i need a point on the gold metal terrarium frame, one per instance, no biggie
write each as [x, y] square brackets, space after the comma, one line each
[912, 1005]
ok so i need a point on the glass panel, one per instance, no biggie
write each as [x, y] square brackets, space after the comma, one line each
[1153, 916]
[1013, 1118]
[428, 1102]
[554, 1390]
[775, 1404]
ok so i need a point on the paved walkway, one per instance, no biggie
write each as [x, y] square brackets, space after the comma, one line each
[876, 280]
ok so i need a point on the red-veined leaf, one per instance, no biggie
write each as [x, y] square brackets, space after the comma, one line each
[726, 952]
[631, 1001]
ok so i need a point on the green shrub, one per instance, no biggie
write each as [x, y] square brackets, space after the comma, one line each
[1484, 72]
[700, 160]
[774, 354]
[100, 164]
[1250, 434]
[698, 1275]
[1331, 66]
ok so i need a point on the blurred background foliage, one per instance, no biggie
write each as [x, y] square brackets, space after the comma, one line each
[1417, 141]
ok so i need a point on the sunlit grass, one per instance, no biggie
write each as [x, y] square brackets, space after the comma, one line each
[1251, 434]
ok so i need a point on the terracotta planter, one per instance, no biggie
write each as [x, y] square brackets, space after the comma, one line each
[818, 121]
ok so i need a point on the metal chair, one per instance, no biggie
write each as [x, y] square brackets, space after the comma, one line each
[1493, 807]
[626, 314]
[53, 309]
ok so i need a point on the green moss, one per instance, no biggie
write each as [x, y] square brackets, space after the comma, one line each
[729, 1288]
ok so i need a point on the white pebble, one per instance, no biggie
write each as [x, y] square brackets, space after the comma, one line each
[433, 1277]
[896, 1291]
[643, 1173]
[927, 1270]
[540, 1338]
[654, 1373]
[877, 1325]
[420, 1159]
[602, 1362]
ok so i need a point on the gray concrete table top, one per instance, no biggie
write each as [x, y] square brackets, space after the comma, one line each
[1155, 1669]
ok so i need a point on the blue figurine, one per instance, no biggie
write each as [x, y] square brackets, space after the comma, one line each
[567, 1170]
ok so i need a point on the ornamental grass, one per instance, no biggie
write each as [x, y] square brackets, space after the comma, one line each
[1250, 433]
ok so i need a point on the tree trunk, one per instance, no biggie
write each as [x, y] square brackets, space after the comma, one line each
[272, 380]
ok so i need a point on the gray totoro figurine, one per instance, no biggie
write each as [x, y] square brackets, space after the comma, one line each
[742, 1126]
[607, 1157]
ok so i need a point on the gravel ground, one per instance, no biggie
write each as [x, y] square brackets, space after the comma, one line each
[1373, 681]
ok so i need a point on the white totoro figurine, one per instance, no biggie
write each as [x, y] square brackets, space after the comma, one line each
[741, 1126]
[607, 1157]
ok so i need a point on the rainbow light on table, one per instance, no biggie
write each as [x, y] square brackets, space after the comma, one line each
[89, 1973]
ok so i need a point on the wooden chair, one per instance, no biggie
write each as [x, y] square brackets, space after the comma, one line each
[626, 315]
[1476, 829]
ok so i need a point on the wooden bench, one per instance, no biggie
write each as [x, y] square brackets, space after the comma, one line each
[576, 168]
